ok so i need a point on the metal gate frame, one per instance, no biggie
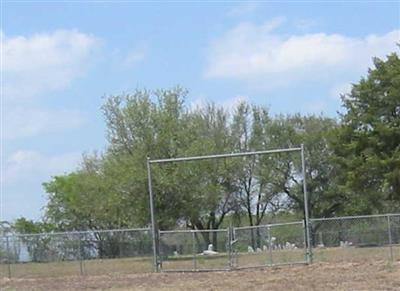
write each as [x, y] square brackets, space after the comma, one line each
[231, 253]
[154, 228]
[270, 243]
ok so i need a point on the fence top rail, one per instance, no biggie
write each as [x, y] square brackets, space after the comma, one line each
[270, 225]
[217, 156]
[74, 232]
[193, 230]
[355, 217]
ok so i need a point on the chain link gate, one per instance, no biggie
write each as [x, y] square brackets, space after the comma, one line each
[232, 248]
[194, 250]
[269, 245]
[160, 255]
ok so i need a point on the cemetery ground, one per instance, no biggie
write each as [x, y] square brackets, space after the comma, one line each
[358, 273]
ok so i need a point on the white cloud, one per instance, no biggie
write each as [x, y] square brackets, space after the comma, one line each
[255, 52]
[44, 62]
[23, 122]
[34, 66]
[26, 166]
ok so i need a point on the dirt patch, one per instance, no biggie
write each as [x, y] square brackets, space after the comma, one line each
[318, 276]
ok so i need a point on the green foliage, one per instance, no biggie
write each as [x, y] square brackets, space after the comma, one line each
[89, 198]
[110, 190]
[367, 144]
[23, 225]
[313, 132]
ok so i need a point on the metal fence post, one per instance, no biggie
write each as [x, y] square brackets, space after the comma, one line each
[235, 256]
[390, 238]
[119, 235]
[306, 215]
[194, 250]
[321, 240]
[159, 258]
[229, 245]
[305, 240]
[153, 221]
[270, 245]
[8, 257]
[80, 253]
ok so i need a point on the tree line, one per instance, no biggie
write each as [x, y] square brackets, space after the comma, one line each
[352, 163]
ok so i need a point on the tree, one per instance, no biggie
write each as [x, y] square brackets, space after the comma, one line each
[255, 191]
[212, 181]
[110, 190]
[367, 144]
[272, 183]
[314, 132]
[139, 127]
[27, 226]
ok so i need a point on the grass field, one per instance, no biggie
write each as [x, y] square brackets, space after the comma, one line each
[221, 261]
[363, 275]
[89, 267]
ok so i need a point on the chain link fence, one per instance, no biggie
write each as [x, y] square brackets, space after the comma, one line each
[356, 238]
[394, 221]
[73, 253]
[340, 239]
[268, 245]
[194, 250]
[232, 248]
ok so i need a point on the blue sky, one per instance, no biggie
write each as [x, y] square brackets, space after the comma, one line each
[60, 59]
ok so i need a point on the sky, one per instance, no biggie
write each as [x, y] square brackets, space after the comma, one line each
[61, 59]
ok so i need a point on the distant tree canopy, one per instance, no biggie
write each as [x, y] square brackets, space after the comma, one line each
[352, 166]
[110, 190]
[367, 143]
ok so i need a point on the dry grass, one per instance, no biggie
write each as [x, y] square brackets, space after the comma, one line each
[334, 269]
[318, 276]
[70, 268]
[221, 261]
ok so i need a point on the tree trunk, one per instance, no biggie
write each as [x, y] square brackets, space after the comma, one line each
[214, 233]
[251, 229]
[204, 234]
